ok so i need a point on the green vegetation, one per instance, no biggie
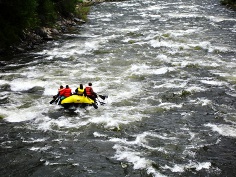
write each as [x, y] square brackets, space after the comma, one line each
[185, 93]
[166, 35]
[14, 17]
[229, 3]
[175, 97]
[197, 48]
[82, 12]
[17, 16]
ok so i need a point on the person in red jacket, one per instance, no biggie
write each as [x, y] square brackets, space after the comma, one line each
[57, 98]
[60, 90]
[66, 92]
[88, 91]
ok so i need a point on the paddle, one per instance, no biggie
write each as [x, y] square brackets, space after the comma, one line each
[103, 97]
[55, 98]
[101, 103]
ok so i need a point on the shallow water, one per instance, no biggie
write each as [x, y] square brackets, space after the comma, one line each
[168, 68]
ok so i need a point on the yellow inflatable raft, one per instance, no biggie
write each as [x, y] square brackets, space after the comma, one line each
[76, 100]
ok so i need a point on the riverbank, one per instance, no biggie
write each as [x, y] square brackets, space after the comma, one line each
[31, 38]
[229, 3]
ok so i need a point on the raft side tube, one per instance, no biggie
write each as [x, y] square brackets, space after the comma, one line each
[77, 99]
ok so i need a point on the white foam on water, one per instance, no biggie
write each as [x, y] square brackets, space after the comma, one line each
[20, 115]
[93, 44]
[209, 47]
[162, 70]
[223, 129]
[234, 28]
[173, 84]
[179, 33]
[134, 157]
[163, 137]
[114, 120]
[184, 15]
[3, 82]
[201, 101]
[164, 58]
[153, 8]
[58, 124]
[51, 91]
[72, 48]
[106, 19]
[4, 95]
[40, 149]
[180, 168]
[231, 118]
[191, 7]
[32, 140]
[195, 88]
[127, 5]
[220, 18]
[142, 140]
[190, 44]
[22, 84]
[169, 44]
[96, 134]
[170, 105]
[204, 101]
[143, 69]
[212, 82]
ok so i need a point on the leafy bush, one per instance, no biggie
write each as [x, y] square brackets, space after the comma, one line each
[65, 7]
[230, 3]
[15, 16]
[46, 12]
[18, 15]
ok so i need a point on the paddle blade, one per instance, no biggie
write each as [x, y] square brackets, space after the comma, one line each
[52, 101]
[55, 98]
[103, 97]
[102, 103]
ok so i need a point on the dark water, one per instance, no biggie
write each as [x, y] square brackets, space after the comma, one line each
[169, 70]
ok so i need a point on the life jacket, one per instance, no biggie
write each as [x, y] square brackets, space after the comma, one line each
[60, 91]
[88, 91]
[80, 91]
[66, 92]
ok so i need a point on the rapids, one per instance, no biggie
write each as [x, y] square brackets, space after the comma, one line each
[169, 70]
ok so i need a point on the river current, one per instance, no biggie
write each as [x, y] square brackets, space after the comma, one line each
[169, 70]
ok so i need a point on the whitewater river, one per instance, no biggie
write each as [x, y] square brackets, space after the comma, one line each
[169, 69]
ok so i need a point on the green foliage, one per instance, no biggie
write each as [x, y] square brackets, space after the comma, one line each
[197, 48]
[46, 12]
[82, 12]
[65, 7]
[15, 16]
[185, 93]
[229, 3]
[166, 35]
[18, 15]
[131, 41]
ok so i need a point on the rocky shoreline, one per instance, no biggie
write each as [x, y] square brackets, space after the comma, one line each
[32, 38]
